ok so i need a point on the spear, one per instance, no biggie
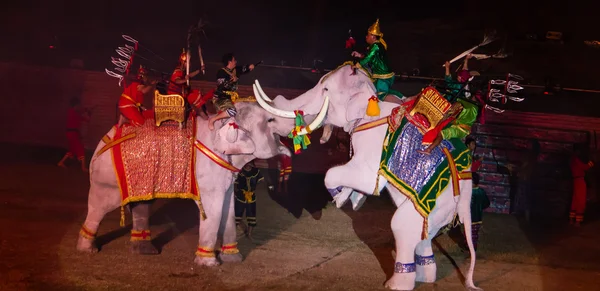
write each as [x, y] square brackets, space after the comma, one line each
[200, 28]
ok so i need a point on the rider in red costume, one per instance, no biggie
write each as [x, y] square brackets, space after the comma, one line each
[177, 85]
[132, 100]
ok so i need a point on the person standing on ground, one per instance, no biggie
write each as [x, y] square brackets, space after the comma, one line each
[76, 115]
[578, 169]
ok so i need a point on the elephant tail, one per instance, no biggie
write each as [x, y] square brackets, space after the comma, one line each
[464, 214]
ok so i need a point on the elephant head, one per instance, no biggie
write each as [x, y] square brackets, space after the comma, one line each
[347, 95]
[254, 131]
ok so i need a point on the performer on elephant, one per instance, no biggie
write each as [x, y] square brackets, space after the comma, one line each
[456, 128]
[376, 63]
[578, 169]
[75, 116]
[178, 85]
[227, 81]
[461, 126]
[479, 202]
[461, 78]
[245, 198]
[132, 99]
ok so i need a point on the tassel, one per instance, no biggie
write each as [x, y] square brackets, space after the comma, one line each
[201, 210]
[373, 107]
[122, 223]
[376, 190]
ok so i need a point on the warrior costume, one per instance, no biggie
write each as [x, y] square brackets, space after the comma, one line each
[227, 89]
[578, 169]
[74, 120]
[192, 96]
[131, 100]
[376, 63]
[245, 198]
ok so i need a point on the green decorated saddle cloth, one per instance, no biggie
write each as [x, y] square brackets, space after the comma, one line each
[420, 177]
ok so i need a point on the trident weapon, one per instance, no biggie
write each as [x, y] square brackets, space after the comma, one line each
[486, 40]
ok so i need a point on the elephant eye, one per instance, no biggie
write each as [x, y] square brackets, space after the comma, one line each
[325, 89]
[271, 119]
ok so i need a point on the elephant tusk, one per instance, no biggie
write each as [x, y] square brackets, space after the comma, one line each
[317, 122]
[269, 108]
[262, 93]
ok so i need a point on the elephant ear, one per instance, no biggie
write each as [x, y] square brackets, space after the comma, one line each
[231, 140]
[357, 106]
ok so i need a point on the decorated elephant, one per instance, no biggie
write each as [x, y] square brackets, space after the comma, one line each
[429, 190]
[135, 165]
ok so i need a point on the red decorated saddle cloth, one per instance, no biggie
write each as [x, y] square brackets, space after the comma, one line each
[155, 162]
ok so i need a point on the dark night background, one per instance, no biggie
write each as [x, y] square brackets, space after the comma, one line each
[420, 34]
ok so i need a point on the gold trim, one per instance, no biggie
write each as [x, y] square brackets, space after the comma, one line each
[230, 249]
[114, 143]
[453, 172]
[371, 124]
[131, 99]
[140, 235]
[205, 252]
[348, 63]
[383, 76]
[214, 157]
[86, 233]
[465, 176]
[160, 196]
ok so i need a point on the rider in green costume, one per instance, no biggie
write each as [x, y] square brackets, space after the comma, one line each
[375, 62]
[461, 126]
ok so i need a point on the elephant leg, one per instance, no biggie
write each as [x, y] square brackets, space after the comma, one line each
[209, 229]
[407, 226]
[341, 180]
[141, 240]
[229, 250]
[101, 200]
[426, 267]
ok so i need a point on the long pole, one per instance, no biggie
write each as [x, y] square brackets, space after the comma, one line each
[425, 78]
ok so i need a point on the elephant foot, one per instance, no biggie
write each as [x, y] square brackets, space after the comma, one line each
[401, 281]
[143, 248]
[342, 197]
[357, 199]
[86, 245]
[206, 261]
[426, 268]
[231, 258]
[426, 274]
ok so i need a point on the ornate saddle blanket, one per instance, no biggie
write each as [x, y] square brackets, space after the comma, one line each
[155, 162]
[420, 177]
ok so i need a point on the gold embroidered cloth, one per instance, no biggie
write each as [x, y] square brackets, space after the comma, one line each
[157, 163]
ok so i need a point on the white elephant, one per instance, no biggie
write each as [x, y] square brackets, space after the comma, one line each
[255, 137]
[348, 95]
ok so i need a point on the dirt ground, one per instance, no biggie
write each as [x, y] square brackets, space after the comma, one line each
[295, 247]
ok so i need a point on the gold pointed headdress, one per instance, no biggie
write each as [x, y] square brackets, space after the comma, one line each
[374, 30]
